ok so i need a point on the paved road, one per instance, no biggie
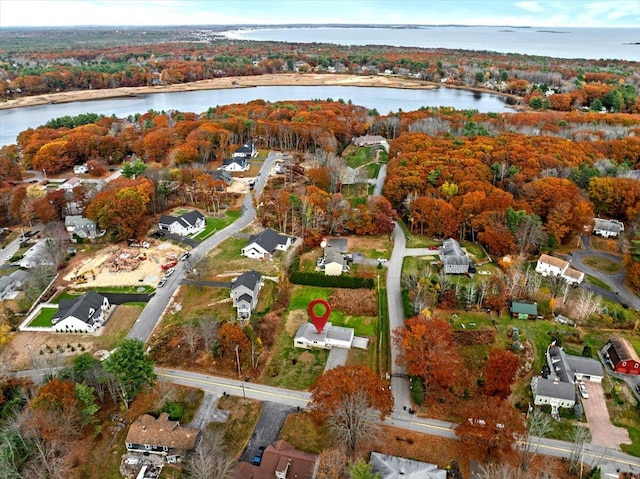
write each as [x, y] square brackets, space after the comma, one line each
[153, 311]
[615, 281]
[609, 460]
[399, 385]
[382, 174]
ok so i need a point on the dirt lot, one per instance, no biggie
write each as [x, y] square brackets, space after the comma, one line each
[24, 350]
[101, 268]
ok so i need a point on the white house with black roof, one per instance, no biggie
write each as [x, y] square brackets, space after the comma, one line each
[248, 150]
[235, 164]
[184, 225]
[265, 244]
[455, 260]
[84, 314]
[244, 292]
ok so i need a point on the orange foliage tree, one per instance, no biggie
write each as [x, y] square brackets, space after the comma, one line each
[427, 350]
[336, 384]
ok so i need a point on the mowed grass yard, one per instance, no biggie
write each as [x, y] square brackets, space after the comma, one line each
[298, 368]
[43, 319]
[214, 225]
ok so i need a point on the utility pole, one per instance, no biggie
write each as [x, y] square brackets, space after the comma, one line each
[238, 361]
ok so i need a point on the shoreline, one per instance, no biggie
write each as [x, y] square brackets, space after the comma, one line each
[282, 79]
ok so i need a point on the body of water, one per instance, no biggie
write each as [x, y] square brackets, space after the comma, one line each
[592, 43]
[385, 100]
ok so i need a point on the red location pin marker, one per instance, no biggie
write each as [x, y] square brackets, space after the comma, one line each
[319, 321]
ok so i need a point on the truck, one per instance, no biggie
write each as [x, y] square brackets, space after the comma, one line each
[257, 459]
[169, 265]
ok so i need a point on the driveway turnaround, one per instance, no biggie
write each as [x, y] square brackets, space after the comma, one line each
[603, 433]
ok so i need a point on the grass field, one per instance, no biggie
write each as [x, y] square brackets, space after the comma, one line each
[216, 224]
[43, 320]
[599, 263]
[243, 416]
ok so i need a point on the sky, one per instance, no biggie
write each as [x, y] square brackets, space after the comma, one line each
[535, 13]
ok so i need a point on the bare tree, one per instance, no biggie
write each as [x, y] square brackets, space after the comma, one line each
[578, 437]
[191, 334]
[539, 423]
[507, 471]
[354, 423]
[210, 459]
[209, 331]
[332, 464]
[588, 303]
[533, 282]
[165, 392]
[529, 234]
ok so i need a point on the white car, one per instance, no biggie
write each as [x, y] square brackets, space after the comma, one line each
[583, 391]
[382, 260]
[162, 282]
[169, 272]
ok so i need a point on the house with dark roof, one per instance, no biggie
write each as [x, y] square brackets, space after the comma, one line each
[394, 467]
[221, 175]
[237, 163]
[248, 150]
[265, 244]
[621, 356]
[455, 260]
[558, 388]
[161, 436]
[607, 228]
[524, 310]
[84, 314]
[187, 224]
[551, 266]
[280, 460]
[244, 292]
[82, 227]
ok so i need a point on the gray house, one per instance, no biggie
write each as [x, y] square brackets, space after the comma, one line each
[82, 227]
[265, 244]
[558, 389]
[455, 260]
[10, 283]
[607, 228]
[394, 467]
[244, 292]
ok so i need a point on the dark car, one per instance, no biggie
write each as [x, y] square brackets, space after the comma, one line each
[257, 459]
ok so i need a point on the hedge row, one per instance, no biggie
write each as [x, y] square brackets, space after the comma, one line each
[314, 279]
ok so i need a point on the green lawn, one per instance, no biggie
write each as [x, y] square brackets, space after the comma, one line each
[357, 156]
[373, 170]
[597, 282]
[43, 320]
[216, 224]
[416, 240]
[599, 263]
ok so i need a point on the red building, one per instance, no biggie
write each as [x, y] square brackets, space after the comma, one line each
[621, 356]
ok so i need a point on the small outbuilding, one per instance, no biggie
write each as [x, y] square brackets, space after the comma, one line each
[524, 310]
[621, 356]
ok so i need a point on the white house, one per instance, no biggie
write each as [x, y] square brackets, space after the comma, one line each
[248, 150]
[394, 467]
[80, 169]
[552, 266]
[265, 244]
[10, 283]
[235, 164]
[558, 389]
[307, 337]
[82, 227]
[84, 314]
[70, 184]
[244, 292]
[607, 228]
[187, 224]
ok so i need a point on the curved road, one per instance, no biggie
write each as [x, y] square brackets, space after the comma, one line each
[615, 281]
[148, 318]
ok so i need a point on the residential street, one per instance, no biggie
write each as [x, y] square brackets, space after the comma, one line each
[153, 311]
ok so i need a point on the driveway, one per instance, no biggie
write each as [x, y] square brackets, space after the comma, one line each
[208, 412]
[268, 428]
[603, 433]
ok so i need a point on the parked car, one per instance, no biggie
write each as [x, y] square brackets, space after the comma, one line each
[162, 282]
[638, 388]
[583, 391]
[169, 272]
[184, 256]
[257, 459]
[382, 260]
